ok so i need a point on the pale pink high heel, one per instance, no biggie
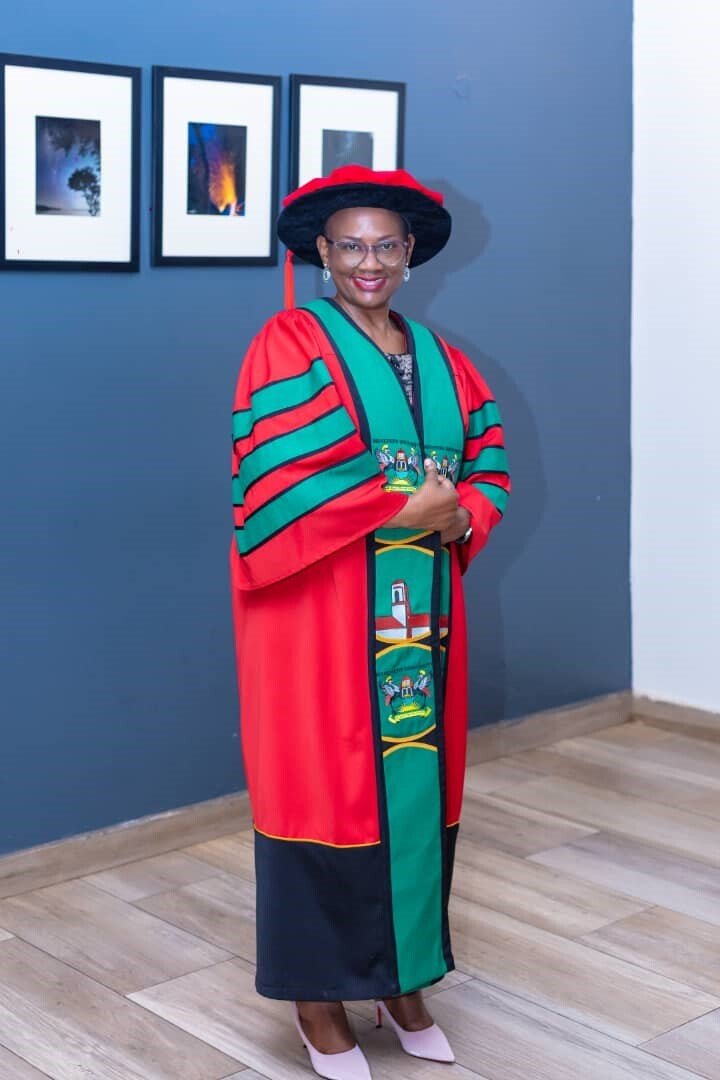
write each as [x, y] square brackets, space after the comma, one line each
[430, 1042]
[347, 1065]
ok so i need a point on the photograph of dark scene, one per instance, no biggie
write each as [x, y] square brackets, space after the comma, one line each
[346, 148]
[67, 174]
[216, 169]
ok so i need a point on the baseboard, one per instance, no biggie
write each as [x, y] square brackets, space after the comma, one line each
[684, 719]
[541, 728]
[77, 856]
[88, 853]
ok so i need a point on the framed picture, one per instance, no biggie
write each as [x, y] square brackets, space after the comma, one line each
[215, 167]
[337, 122]
[69, 165]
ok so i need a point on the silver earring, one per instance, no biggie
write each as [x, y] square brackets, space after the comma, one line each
[406, 273]
[326, 275]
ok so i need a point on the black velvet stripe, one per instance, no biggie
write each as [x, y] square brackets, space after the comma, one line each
[363, 424]
[303, 512]
[439, 683]
[451, 833]
[444, 353]
[373, 645]
[278, 412]
[321, 922]
[286, 380]
[296, 457]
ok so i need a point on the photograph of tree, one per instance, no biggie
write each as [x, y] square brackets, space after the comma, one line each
[346, 148]
[216, 169]
[67, 153]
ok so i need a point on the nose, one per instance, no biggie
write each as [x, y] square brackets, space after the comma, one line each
[371, 256]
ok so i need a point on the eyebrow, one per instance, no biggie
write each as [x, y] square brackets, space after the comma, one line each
[388, 236]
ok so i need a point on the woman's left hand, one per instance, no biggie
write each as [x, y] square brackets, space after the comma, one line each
[459, 526]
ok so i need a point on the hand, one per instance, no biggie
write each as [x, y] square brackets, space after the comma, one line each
[460, 527]
[434, 505]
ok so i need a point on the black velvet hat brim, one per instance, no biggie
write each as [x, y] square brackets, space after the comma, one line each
[303, 220]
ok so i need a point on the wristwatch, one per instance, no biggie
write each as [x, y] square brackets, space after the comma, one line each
[465, 536]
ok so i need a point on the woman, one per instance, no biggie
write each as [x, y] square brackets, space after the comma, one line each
[368, 470]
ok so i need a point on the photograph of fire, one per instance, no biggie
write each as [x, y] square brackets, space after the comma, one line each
[216, 169]
[67, 153]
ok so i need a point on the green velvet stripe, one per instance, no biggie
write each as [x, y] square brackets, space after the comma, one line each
[275, 453]
[497, 495]
[491, 459]
[303, 498]
[481, 419]
[415, 821]
[280, 396]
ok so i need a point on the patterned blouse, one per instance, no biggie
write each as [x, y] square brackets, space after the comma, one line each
[402, 363]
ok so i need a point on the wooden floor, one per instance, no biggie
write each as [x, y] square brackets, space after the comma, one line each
[586, 922]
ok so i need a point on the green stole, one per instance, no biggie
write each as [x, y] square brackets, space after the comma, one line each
[409, 588]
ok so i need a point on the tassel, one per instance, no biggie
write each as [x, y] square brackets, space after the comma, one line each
[289, 280]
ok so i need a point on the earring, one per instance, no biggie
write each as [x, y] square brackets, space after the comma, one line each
[406, 273]
[326, 275]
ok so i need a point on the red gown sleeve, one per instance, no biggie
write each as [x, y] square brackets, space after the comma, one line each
[304, 483]
[484, 483]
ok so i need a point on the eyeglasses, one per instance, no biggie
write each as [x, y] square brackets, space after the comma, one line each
[353, 252]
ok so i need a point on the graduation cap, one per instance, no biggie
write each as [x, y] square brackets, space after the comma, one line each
[306, 210]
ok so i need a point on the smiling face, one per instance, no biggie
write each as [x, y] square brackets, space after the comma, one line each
[371, 283]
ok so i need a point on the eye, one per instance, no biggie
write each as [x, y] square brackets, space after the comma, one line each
[389, 245]
[347, 245]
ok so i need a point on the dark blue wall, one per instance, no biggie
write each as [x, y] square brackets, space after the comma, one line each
[117, 684]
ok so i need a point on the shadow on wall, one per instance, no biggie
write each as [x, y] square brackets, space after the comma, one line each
[470, 236]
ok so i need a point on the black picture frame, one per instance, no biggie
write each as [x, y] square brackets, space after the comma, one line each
[159, 253]
[297, 122]
[7, 216]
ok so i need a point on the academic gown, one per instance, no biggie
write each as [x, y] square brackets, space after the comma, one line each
[351, 647]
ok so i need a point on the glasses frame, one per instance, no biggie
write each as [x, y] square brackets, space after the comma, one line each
[367, 248]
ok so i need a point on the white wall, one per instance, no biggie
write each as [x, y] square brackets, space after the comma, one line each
[675, 562]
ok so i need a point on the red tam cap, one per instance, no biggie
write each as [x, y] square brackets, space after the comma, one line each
[360, 174]
[306, 209]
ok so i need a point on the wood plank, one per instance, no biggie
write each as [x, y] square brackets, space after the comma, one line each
[633, 733]
[15, 1068]
[4, 934]
[708, 805]
[538, 729]
[111, 941]
[220, 1005]
[674, 945]
[695, 1046]
[536, 894]
[510, 1038]
[612, 768]
[88, 853]
[136, 880]
[694, 755]
[235, 854]
[643, 871]
[69, 1026]
[651, 822]
[492, 776]
[625, 1001]
[220, 910]
[517, 829]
